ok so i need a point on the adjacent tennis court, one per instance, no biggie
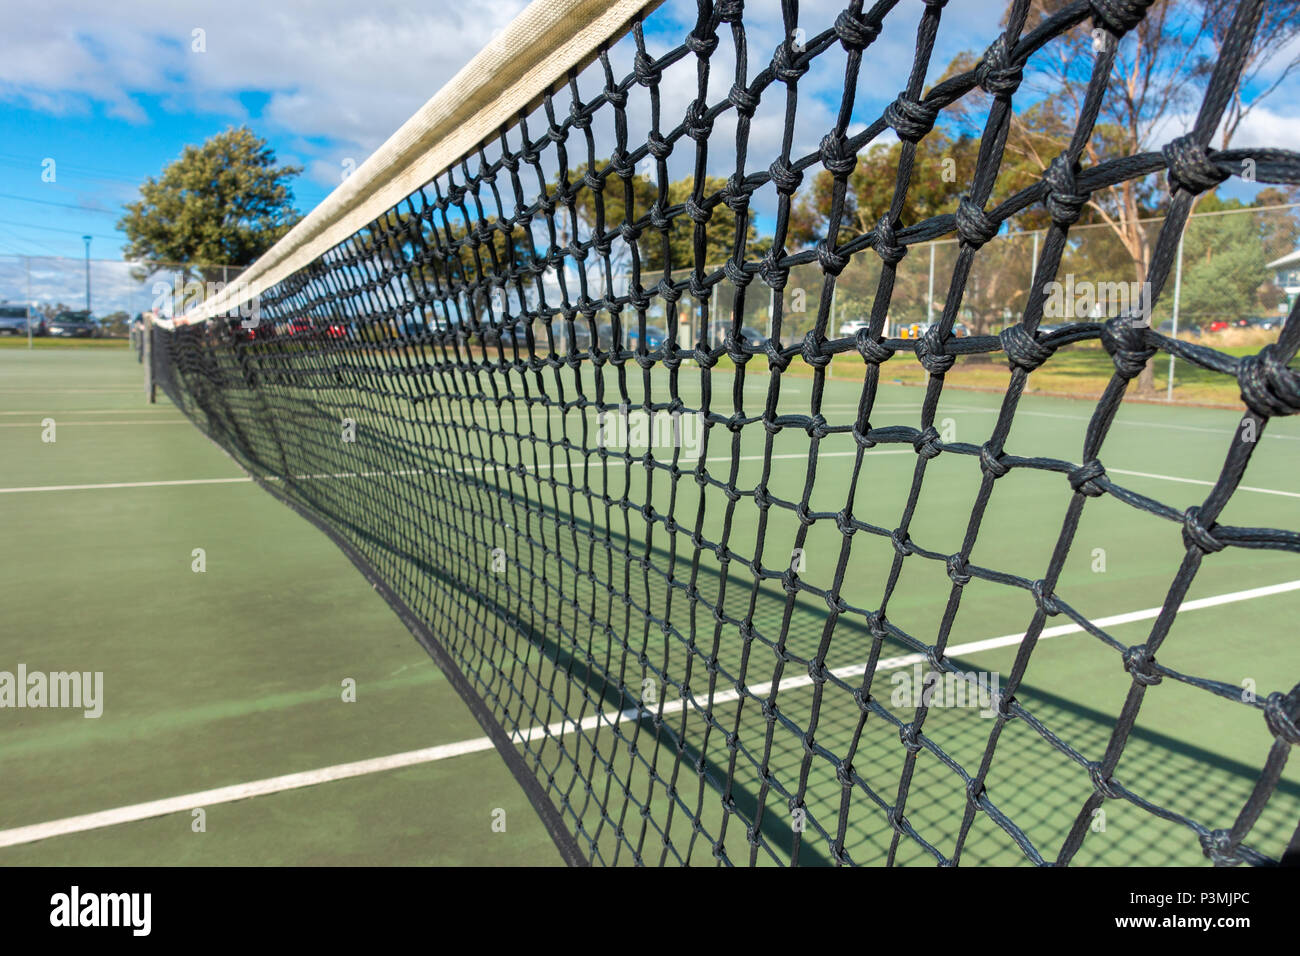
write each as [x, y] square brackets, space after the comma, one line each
[234, 675]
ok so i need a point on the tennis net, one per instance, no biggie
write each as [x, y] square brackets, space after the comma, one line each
[584, 508]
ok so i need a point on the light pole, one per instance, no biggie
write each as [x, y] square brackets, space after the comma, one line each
[86, 239]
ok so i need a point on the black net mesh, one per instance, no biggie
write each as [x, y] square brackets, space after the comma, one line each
[442, 392]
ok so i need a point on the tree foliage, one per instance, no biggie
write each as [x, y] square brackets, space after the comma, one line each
[223, 203]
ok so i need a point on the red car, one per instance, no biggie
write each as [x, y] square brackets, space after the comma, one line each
[1218, 325]
[305, 327]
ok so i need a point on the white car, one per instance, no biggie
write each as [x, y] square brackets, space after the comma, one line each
[850, 328]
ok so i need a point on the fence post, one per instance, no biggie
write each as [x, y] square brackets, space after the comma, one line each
[929, 299]
[1178, 286]
[27, 270]
[150, 392]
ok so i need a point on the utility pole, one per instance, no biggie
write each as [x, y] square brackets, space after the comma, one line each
[86, 239]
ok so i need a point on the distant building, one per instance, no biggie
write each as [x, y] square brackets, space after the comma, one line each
[1286, 276]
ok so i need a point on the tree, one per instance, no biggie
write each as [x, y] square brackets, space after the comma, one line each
[115, 323]
[223, 203]
[1278, 29]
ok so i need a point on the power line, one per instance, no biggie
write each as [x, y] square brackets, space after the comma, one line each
[72, 232]
[61, 205]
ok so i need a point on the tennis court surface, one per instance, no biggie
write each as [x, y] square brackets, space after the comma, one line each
[737, 599]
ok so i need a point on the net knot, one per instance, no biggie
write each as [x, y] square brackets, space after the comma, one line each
[616, 97]
[887, 246]
[1102, 784]
[735, 194]
[668, 292]
[629, 233]
[697, 122]
[638, 299]
[1064, 201]
[844, 523]
[873, 351]
[745, 102]
[831, 261]
[927, 443]
[697, 212]
[908, 735]
[696, 286]
[996, 73]
[530, 156]
[1127, 345]
[991, 464]
[1218, 846]
[735, 272]
[771, 270]
[645, 69]
[957, 570]
[1119, 16]
[702, 46]
[777, 360]
[789, 582]
[1141, 665]
[658, 216]
[785, 177]
[876, 623]
[657, 146]
[510, 162]
[1045, 600]
[621, 164]
[1268, 386]
[910, 118]
[579, 116]
[974, 227]
[1195, 534]
[556, 134]
[818, 427]
[1084, 478]
[811, 351]
[930, 352]
[786, 65]
[902, 545]
[836, 155]
[1190, 166]
[1023, 348]
[1281, 724]
[855, 32]
[975, 793]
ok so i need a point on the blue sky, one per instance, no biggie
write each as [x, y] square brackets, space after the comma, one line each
[111, 93]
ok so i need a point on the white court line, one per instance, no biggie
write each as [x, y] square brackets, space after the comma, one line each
[408, 471]
[127, 484]
[294, 781]
[61, 422]
[1200, 481]
[97, 411]
[1085, 418]
[723, 459]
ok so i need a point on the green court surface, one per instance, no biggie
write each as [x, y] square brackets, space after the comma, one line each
[233, 675]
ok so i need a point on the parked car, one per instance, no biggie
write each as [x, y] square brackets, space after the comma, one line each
[750, 336]
[72, 325]
[655, 337]
[14, 319]
[1218, 325]
[1267, 323]
[851, 327]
